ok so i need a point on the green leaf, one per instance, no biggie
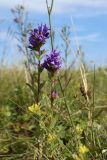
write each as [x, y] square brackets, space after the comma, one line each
[42, 52]
[37, 56]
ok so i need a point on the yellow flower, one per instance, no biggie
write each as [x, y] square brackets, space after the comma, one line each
[79, 129]
[51, 137]
[76, 157]
[83, 149]
[35, 108]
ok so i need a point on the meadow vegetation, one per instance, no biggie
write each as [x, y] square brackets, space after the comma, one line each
[50, 109]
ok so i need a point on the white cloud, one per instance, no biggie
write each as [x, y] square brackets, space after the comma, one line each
[83, 7]
[76, 7]
[85, 3]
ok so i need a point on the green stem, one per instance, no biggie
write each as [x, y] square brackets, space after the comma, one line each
[38, 81]
[50, 23]
[51, 93]
[52, 45]
[69, 113]
[93, 92]
[38, 98]
[92, 110]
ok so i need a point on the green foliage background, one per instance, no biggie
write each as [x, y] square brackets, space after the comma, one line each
[20, 129]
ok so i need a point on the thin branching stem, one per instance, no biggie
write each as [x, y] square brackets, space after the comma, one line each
[49, 9]
[50, 23]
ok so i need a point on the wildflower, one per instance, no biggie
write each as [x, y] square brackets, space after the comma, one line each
[83, 149]
[52, 62]
[38, 37]
[35, 108]
[51, 137]
[54, 94]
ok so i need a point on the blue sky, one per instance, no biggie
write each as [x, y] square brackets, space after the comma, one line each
[89, 17]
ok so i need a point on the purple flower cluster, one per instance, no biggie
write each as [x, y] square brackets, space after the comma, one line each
[38, 37]
[52, 62]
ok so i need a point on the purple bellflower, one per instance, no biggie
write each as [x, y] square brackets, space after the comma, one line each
[38, 37]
